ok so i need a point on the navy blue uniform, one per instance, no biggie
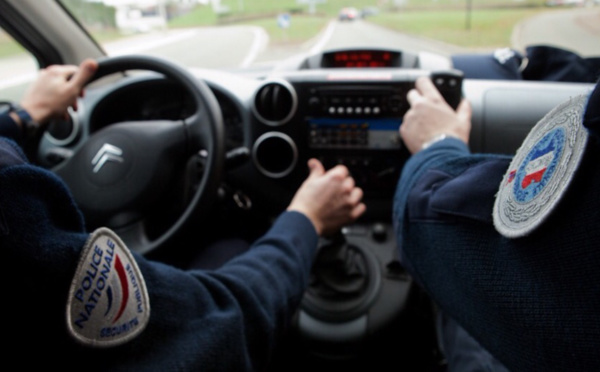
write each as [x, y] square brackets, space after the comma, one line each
[227, 319]
[532, 301]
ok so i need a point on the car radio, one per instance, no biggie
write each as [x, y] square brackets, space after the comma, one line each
[353, 115]
[359, 117]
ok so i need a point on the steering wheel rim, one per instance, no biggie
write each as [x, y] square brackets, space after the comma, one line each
[203, 130]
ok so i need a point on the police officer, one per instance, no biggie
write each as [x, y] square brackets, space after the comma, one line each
[507, 247]
[81, 300]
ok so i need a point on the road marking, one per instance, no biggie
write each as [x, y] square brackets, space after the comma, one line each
[260, 41]
[324, 39]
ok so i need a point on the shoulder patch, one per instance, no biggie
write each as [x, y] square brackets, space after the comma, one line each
[541, 170]
[108, 302]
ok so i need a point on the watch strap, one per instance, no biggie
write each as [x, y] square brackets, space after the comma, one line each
[28, 125]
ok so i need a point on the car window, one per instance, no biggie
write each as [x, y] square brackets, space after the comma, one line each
[17, 68]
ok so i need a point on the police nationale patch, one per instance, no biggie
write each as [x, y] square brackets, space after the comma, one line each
[108, 302]
[541, 170]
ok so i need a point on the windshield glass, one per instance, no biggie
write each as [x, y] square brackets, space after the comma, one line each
[231, 34]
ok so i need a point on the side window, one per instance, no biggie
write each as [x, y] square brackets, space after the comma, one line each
[17, 68]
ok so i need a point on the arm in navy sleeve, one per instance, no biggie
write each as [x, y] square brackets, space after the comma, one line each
[530, 301]
[9, 128]
[443, 183]
[231, 318]
[413, 170]
[227, 319]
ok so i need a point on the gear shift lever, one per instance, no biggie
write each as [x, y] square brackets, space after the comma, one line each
[340, 273]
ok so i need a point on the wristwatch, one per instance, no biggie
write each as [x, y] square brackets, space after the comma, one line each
[435, 139]
[29, 127]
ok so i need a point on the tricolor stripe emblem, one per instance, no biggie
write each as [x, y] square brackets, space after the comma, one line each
[536, 168]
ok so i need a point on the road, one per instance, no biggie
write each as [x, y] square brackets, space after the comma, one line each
[360, 34]
[577, 30]
[245, 46]
[209, 47]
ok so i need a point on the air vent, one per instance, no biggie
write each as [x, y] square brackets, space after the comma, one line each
[275, 102]
[275, 154]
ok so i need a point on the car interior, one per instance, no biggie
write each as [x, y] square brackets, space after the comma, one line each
[218, 155]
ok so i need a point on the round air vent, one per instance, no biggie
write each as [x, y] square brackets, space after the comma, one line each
[275, 154]
[275, 102]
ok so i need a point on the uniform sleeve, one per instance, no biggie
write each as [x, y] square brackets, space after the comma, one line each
[444, 184]
[413, 170]
[8, 127]
[531, 301]
[420, 163]
[229, 319]
[10, 153]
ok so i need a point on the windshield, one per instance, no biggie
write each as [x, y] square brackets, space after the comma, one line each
[233, 34]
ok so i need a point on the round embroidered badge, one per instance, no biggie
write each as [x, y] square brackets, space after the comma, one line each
[541, 170]
[108, 301]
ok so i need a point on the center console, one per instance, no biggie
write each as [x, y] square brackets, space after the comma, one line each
[348, 117]
[358, 287]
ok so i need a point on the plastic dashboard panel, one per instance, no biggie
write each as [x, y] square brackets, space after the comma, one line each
[505, 111]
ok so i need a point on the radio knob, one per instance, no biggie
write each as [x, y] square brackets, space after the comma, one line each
[379, 232]
[315, 104]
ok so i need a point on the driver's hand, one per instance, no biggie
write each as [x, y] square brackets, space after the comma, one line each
[430, 116]
[329, 199]
[56, 89]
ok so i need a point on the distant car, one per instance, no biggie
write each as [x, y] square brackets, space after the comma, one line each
[348, 14]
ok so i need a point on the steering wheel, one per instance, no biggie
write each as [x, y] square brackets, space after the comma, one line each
[118, 173]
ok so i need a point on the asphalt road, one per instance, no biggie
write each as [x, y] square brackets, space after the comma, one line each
[576, 29]
[209, 47]
[245, 46]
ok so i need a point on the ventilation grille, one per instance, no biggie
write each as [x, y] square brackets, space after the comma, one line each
[275, 103]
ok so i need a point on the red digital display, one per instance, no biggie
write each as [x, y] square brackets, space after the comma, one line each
[362, 59]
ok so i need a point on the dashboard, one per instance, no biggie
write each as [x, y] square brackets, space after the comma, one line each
[342, 107]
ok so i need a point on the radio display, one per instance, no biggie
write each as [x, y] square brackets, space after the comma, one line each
[377, 134]
[361, 59]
